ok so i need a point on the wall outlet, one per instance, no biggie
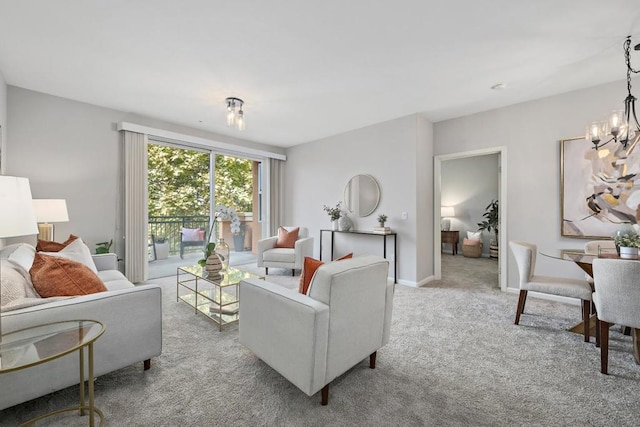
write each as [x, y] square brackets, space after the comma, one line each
[405, 215]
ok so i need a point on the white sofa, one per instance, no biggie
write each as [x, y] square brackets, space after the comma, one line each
[132, 316]
[312, 339]
[270, 256]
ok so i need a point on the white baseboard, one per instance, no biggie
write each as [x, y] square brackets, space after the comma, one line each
[413, 284]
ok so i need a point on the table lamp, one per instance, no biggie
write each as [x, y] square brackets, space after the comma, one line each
[445, 213]
[16, 212]
[47, 211]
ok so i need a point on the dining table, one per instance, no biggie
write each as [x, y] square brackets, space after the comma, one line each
[585, 262]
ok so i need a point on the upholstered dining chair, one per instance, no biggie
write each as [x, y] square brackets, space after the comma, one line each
[593, 247]
[525, 255]
[270, 255]
[617, 298]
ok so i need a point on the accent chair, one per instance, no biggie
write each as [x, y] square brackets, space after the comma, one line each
[271, 256]
[525, 255]
[312, 339]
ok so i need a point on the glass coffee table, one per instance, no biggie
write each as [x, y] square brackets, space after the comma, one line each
[214, 295]
[41, 344]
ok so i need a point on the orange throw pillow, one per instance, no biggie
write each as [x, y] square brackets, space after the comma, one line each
[53, 276]
[49, 246]
[309, 269]
[287, 239]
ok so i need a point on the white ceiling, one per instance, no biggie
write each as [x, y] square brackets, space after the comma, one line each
[310, 69]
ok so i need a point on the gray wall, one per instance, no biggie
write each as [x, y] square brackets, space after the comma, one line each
[531, 132]
[469, 184]
[398, 154]
[3, 120]
[71, 150]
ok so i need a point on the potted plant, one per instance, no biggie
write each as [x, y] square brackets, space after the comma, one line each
[334, 214]
[628, 241]
[161, 247]
[103, 247]
[382, 218]
[490, 223]
[208, 250]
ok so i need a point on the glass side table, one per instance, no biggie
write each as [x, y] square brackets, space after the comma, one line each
[33, 346]
[214, 295]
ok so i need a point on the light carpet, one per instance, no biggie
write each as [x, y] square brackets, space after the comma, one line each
[454, 359]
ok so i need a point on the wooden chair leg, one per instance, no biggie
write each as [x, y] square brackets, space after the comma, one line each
[604, 346]
[372, 360]
[266, 271]
[293, 272]
[522, 299]
[147, 364]
[325, 395]
[597, 332]
[586, 310]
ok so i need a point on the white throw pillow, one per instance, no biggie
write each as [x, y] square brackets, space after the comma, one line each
[23, 257]
[76, 251]
[190, 234]
[474, 235]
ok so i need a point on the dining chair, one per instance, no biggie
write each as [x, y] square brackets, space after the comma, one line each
[525, 255]
[617, 298]
[593, 247]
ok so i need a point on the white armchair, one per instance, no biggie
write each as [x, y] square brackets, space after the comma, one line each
[270, 256]
[311, 339]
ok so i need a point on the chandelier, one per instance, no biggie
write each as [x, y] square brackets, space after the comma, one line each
[235, 115]
[619, 126]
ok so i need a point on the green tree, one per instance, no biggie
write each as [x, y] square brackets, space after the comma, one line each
[234, 183]
[179, 182]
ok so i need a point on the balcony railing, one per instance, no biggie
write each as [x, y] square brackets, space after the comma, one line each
[169, 227]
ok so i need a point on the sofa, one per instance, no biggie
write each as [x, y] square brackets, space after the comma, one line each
[312, 339]
[132, 316]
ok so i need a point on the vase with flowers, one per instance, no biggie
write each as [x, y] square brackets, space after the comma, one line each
[334, 214]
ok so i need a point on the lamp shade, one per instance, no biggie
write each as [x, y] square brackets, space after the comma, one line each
[447, 211]
[17, 217]
[51, 210]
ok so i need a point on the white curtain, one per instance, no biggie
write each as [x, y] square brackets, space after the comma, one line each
[135, 207]
[275, 192]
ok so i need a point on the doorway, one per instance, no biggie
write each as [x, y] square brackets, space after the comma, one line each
[468, 216]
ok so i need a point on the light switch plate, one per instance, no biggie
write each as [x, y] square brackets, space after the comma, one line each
[405, 215]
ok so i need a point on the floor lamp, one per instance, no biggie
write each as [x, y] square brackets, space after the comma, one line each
[48, 211]
[16, 213]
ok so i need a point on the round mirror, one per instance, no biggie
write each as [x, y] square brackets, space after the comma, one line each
[361, 195]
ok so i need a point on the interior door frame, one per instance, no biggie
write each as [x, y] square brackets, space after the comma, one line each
[502, 208]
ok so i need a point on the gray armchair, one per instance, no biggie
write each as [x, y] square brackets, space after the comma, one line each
[270, 256]
[312, 339]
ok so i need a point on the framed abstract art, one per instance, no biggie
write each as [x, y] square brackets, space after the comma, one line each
[599, 189]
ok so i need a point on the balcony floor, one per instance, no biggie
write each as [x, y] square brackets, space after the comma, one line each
[168, 267]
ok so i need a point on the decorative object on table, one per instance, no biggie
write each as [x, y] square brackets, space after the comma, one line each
[491, 222]
[618, 127]
[382, 230]
[103, 247]
[382, 218]
[345, 222]
[599, 190]
[362, 195]
[334, 214]
[49, 211]
[20, 220]
[628, 243]
[222, 250]
[446, 212]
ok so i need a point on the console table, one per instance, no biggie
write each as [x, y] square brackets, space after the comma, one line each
[368, 233]
[452, 237]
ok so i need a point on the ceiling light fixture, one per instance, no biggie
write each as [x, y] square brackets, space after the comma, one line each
[618, 126]
[235, 114]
